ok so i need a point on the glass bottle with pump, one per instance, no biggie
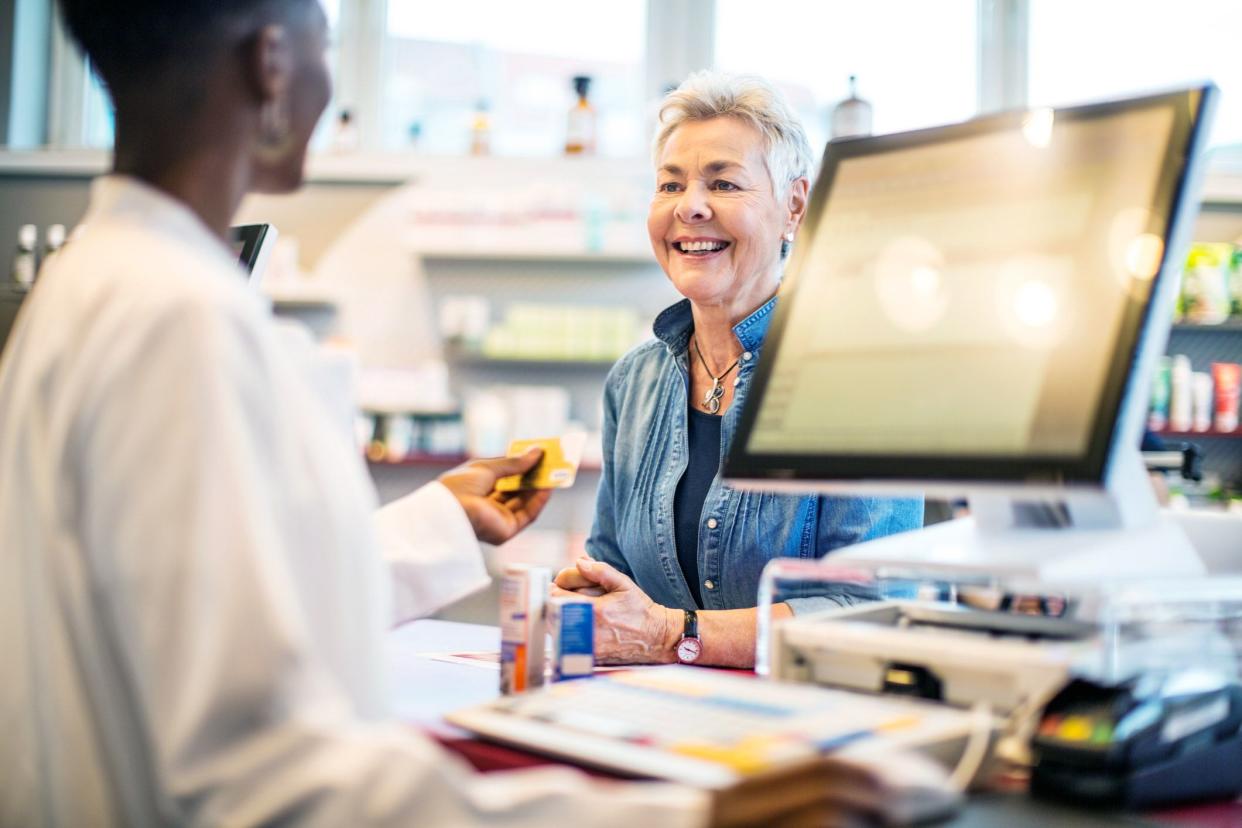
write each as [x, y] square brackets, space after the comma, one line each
[851, 118]
[580, 131]
[25, 260]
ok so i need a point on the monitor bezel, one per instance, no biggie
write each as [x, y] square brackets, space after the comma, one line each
[254, 239]
[744, 467]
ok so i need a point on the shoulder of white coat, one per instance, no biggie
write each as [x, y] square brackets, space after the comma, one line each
[120, 266]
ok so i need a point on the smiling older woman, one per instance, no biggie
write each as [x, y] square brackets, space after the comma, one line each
[670, 538]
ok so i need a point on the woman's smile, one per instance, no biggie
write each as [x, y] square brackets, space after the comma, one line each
[699, 247]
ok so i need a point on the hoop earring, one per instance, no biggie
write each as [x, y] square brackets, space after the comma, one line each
[274, 130]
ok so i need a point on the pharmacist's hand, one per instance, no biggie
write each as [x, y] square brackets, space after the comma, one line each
[630, 628]
[823, 792]
[496, 516]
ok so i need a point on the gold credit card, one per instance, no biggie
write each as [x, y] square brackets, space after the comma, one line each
[556, 470]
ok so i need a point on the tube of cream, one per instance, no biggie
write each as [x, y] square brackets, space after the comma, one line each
[1228, 381]
[1180, 408]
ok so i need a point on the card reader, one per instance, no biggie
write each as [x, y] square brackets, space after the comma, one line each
[1156, 739]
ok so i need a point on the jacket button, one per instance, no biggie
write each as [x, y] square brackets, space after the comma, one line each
[746, 357]
[710, 584]
[711, 523]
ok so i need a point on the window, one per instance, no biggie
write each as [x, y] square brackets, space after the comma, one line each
[415, 72]
[1086, 51]
[325, 131]
[88, 117]
[332, 8]
[915, 61]
[445, 61]
[98, 118]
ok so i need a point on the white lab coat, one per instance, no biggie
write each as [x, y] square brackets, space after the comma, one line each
[192, 597]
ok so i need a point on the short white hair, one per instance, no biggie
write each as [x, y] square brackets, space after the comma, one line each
[751, 99]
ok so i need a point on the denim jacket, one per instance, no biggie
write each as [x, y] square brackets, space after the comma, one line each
[645, 456]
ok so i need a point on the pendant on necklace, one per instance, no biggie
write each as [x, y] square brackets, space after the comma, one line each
[711, 400]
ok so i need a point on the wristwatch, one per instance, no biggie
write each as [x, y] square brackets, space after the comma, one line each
[690, 647]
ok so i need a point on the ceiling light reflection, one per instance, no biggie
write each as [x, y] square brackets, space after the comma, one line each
[1144, 254]
[1035, 304]
[910, 285]
[1033, 300]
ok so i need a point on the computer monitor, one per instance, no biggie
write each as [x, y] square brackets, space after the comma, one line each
[975, 310]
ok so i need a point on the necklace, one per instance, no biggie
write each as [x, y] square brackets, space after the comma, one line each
[711, 400]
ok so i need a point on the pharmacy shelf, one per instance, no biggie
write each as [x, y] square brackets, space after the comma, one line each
[477, 359]
[303, 304]
[380, 410]
[1236, 434]
[445, 461]
[604, 257]
[1231, 325]
[424, 461]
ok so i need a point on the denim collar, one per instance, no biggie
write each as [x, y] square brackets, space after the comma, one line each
[675, 323]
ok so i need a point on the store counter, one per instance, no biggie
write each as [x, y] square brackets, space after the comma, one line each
[432, 673]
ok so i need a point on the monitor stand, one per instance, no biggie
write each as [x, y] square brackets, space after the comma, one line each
[1068, 537]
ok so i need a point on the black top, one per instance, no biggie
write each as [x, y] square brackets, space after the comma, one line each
[703, 433]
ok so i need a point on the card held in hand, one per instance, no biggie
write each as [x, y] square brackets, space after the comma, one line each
[556, 470]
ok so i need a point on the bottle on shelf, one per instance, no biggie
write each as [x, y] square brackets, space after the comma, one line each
[580, 131]
[1227, 380]
[345, 137]
[851, 118]
[25, 259]
[1180, 403]
[1201, 401]
[1161, 392]
[53, 240]
[481, 129]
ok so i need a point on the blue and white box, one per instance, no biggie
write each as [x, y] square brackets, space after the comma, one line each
[571, 622]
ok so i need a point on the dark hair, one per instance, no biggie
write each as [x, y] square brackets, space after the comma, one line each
[136, 40]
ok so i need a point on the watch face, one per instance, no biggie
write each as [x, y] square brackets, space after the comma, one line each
[689, 650]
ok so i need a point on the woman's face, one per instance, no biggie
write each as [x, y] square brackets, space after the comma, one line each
[307, 94]
[715, 223]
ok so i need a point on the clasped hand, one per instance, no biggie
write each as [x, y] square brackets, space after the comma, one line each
[630, 628]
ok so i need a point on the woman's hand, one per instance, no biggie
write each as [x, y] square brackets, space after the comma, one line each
[630, 628]
[495, 517]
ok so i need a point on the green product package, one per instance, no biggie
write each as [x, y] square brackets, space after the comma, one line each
[1206, 283]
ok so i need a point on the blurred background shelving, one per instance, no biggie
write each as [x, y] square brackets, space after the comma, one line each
[436, 265]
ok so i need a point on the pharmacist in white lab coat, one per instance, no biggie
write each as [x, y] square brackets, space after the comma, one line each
[192, 596]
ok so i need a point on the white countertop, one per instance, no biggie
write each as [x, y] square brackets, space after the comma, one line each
[423, 688]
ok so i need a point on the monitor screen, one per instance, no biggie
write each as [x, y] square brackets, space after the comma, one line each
[966, 302]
